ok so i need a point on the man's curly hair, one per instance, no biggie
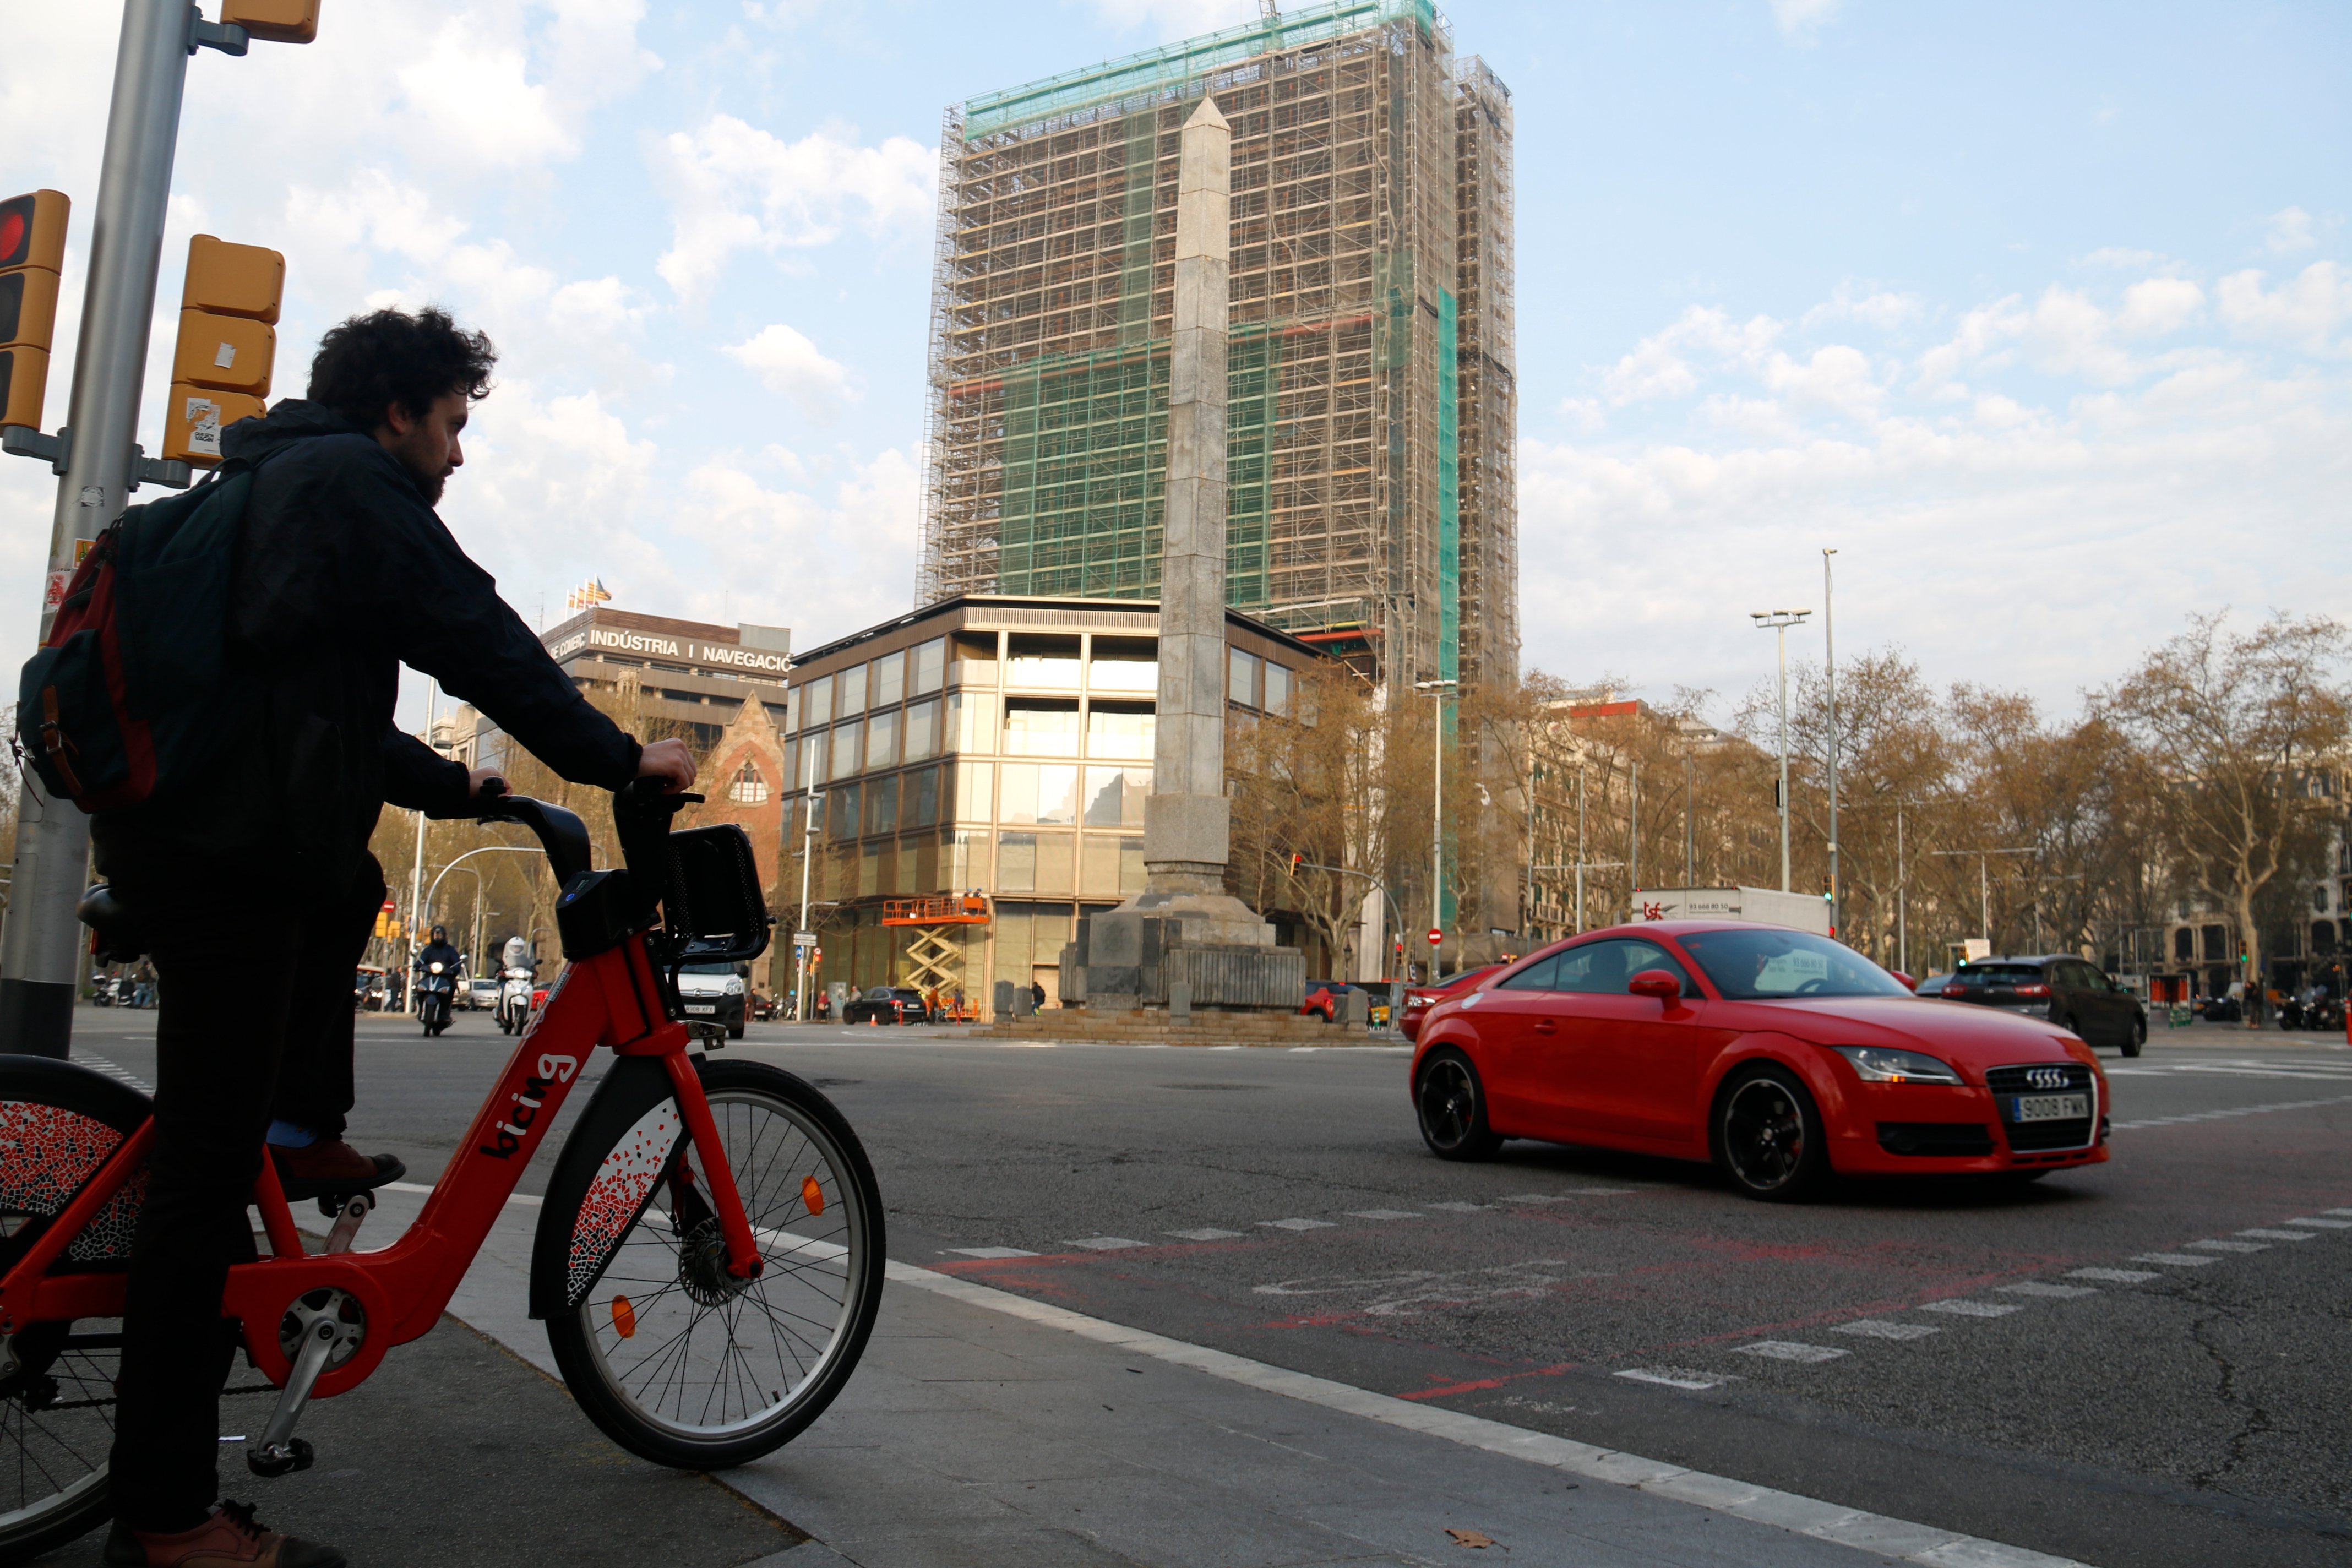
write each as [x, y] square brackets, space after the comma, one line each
[389, 359]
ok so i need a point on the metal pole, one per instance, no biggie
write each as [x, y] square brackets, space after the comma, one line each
[800, 949]
[1437, 831]
[1902, 912]
[416, 871]
[40, 951]
[1579, 846]
[1784, 756]
[1984, 894]
[1829, 647]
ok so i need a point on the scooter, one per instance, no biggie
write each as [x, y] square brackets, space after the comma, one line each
[515, 986]
[435, 988]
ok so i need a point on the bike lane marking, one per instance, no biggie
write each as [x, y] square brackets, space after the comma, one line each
[1822, 1520]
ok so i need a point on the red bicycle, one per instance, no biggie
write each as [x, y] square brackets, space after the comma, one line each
[709, 1253]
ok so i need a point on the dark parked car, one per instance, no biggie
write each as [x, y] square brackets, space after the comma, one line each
[1933, 986]
[887, 1005]
[2065, 990]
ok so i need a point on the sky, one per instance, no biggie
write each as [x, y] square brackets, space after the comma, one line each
[2040, 316]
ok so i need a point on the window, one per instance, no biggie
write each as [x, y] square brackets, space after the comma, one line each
[1041, 730]
[882, 805]
[1605, 967]
[882, 739]
[1241, 677]
[1119, 733]
[889, 679]
[971, 722]
[1016, 862]
[816, 701]
[1036, 794]
[849, 691]
[791, 710]
[1277, 688]
[923, 731]
[869, 872]
[930, 667]
[1748, 964]
[1535, 976]
[791, 765]
[974, 792]
[1114, 796]
[2184, 943]
[923, 796]
[1057, 856]
[1124, 674]
[845, 738]
[747, 787]
[1048, 662]
[811, 759]
[841, 813]
[1130, 866]
[1098, 867]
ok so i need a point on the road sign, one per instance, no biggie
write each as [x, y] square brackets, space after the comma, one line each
[804, 939]
[1436, 936]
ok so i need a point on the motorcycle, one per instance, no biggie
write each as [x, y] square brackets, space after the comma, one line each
[435, 988]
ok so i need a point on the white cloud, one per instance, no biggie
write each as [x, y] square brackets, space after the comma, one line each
[1801, 19]
[734, 186]
[853, 554]
[2305, 310]
[2288, 232]
[1838, 377]
[1660, 366]
[1881, 308]
[787, 362]
[2118, 255]
[1176, 19]
[2160, 305]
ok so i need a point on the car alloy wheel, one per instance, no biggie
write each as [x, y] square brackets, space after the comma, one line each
[2139, 1037]
[1768, 1135]
[1452, 1104]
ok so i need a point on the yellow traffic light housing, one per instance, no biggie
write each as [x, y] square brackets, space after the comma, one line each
[228, 347]
[32, 253]
[274, 21]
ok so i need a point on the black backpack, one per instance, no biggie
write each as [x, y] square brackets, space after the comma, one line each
[123, 705]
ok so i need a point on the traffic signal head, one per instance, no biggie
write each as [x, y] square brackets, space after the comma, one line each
[32, 253]
[277, 21]
[228, 347]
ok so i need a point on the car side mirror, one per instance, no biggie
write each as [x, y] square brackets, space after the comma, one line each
[1656, 983]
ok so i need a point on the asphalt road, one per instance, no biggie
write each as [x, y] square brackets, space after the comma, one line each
[1925, 1350]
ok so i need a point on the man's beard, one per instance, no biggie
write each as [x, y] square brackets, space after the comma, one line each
[425, 479]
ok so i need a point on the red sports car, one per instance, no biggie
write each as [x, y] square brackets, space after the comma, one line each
[1781, 1056]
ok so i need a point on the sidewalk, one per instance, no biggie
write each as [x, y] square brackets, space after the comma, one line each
[984, 1429]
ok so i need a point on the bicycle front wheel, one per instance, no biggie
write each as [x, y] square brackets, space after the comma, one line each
[674, 1359]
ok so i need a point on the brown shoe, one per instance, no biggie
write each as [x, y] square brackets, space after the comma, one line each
[331, 1168]
[229, 1539]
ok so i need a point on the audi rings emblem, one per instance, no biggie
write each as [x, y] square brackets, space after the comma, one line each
[2047, 1077]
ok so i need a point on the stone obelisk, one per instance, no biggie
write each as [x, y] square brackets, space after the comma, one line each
[1186, 819]
[1184, 941]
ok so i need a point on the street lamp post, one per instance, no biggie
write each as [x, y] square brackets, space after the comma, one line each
[1829, 661]
[1779, 621]
[1984, 879]
[1440, 690]
[806, 932]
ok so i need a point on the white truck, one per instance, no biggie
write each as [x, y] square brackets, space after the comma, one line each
[1803, 910]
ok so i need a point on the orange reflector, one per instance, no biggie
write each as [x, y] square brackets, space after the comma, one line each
[625, 1317]
[811, 1195]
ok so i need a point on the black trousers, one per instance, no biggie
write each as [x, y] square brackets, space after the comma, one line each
[231, 1051]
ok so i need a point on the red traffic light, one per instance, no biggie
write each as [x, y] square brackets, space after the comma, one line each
[13, 230]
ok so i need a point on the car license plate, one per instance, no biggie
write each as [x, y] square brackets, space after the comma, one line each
[702, 1006]
[2050, 1108]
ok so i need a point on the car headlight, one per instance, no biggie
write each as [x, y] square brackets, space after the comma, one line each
[734, 987]
[1878, 1064]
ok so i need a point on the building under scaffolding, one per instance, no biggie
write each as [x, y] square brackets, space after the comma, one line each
[1372, 396]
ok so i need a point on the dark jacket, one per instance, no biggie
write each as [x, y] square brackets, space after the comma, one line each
[344, 574]
[439, 952]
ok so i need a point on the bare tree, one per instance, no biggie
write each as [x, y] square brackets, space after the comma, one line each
[2238, 736]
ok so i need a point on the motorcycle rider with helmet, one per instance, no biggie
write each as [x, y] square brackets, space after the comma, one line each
[439, 950]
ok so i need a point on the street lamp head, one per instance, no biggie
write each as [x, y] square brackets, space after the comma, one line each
[1434, 685]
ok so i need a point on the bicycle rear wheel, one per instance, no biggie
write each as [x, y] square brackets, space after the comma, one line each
[58, 1124]
[672, 1358]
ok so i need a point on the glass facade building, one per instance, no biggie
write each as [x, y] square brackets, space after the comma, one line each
[985, 744]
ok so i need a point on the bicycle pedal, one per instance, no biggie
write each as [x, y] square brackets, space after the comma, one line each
[271, 1460]
[335, 1203]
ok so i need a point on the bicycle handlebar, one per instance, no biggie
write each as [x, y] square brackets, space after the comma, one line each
[642, 810]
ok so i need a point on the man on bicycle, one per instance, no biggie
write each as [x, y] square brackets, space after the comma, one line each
[344, 574]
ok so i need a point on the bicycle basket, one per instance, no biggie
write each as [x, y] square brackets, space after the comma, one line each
[712, 905]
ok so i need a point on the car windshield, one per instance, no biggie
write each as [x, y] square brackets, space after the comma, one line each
[1765, 963]
[708, 969]
[1996, 973]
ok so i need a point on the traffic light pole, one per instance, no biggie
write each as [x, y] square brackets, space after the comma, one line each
[40, 948]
